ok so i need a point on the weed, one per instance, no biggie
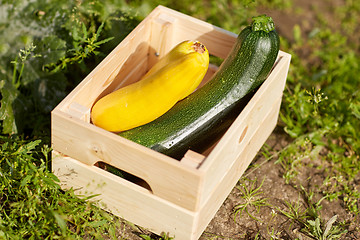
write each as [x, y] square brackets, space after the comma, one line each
[273, 233]
[295, 211]
[307, 217]
[315, 98]
[251, 198]
[328, 232]
[10, 91]
[86, 43]
[336, 187]
[24, 54]
[312, 227]
[293, 156]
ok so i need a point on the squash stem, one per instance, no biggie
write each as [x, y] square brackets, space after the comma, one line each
[198, 47]
[262, 23]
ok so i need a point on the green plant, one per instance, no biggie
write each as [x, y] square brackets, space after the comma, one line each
[10, 92]
[307, 217]
[337, 187]
[251, 197]
[333, 109]
[86, 43]
[31, 203]
[292, 157]
[315, 98]
[328, 232]
[273, 233]
[295, 211]
[69, 36]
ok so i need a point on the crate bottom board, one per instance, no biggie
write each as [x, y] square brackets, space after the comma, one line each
[139, 206]
[123, 198]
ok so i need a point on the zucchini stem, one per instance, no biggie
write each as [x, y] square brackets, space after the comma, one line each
[262, 23]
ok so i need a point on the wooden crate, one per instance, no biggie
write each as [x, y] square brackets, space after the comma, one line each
[176, 197]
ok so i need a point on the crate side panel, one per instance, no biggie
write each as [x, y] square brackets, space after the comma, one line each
[236, 139]
[227, 183]
[89, 144]
[124, 199]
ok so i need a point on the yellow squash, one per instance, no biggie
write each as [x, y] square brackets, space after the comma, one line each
[171, 79]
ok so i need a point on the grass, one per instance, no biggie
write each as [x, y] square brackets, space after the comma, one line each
[54, 45]
[32, 204]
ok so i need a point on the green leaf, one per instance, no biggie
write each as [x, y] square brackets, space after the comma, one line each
[98, 223]
[25, 180]
[60, 221]
[84, 31]
[52, 49]
[146, 237]
[26, 149]
[355, 109]
[9, 95]
[329, 225]
[297, 34]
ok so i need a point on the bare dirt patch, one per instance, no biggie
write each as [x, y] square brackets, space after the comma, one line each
[270, 223]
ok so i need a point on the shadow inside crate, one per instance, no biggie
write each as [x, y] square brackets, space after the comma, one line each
[131, 70]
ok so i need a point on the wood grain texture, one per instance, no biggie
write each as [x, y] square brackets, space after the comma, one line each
[124, 198]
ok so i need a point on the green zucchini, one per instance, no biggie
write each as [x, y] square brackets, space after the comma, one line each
[198, 120]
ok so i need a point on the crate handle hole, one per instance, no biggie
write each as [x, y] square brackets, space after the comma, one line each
[242, 136]
[125, 175]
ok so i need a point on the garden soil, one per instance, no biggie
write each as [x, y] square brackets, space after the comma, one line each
[267, 222]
